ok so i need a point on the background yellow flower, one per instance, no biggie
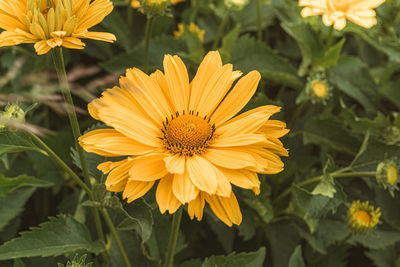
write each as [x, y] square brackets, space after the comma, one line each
[50, 24]
[337, 11]
[184, 135]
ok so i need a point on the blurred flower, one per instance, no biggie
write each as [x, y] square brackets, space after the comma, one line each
[192, 28]
[52, 23]
[11, 113]
[186, 136]
[236, 4]
[391, 135]
[387, 175]
[362, 217]
[337, 11]
[136, 3]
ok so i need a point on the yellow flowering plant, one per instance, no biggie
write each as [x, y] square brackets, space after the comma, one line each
[201, 133]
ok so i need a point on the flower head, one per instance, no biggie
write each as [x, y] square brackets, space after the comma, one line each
[362, 217]
[52, 23]
[193, 28]
[387, 175]
[337, 11]
[317, 89]
[184, 134]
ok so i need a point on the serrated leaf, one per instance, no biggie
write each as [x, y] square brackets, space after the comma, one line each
[60, 235]
[326, 187]
[331, 56]
[134, 216]
[252, 259]
[352, 77]
[11, 205]
[296, 260]
[8, 185]
[229, 43]
[377, 239]
[383, 258]
[251, 55]
[194, 45]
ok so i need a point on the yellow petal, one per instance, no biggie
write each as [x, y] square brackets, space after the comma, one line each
[202, 174]
[237, 140]
[225, 208]
[229, 158]
[237, 98]
[183, 188]
[165, 198]
[136, 189]
[109, 142]
[211, 64]
[196, 206]
[119, 174]
[175, 164]
[242, 178]
[149, 167]
[177, 79]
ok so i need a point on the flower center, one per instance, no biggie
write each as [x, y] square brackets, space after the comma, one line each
[319, 89]
[392, 175]
[187, 134]
[363, 217]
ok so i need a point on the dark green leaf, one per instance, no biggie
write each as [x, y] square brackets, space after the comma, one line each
[296, 260]
[60, 235]
[8, 185]
[252, 259]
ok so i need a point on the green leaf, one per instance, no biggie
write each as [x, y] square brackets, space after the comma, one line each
[327, 186]
[378, 239]
[352, 77]
[384, 257]
[330, 132]
[60, 235]
[331, 56]
[252, 259]
[229, 43]
[11, 205]
[308, 41]
[296, 260]
[194, 45]
[8, 185]
[251, 55]
[159, 46]
[15, 142]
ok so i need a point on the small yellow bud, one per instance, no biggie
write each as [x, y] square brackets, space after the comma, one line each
[362, 217]
[193, 28]
[11, 113]
[387, 175]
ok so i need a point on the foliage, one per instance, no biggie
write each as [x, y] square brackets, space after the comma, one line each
[299, 217]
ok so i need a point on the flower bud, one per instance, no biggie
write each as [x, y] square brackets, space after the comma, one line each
[387, 175]
[362, 217]
[154, 7]
[11, 113]
[236, 5]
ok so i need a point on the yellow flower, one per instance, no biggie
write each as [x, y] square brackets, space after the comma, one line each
[52, 23]
[337, 11]
[362, 217]
[192, 28]
[184, 135]
[136, 3]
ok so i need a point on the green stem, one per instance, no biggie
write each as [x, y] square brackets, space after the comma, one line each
[130, 15]
[115, 236]
[58, 59]
[338, 174]
[149, 27]
[60, 162]
[330, 36]
[259, 25]
[220, 31]
[173, 237]
[195, 8]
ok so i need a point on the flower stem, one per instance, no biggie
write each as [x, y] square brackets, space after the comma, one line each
[130, 15]
[149, 27]
[58, 59]
[220, 31]
[115, 236]
[74, 177]
[60, 162]
[173, 237]
[338, 174]
[259, 25]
